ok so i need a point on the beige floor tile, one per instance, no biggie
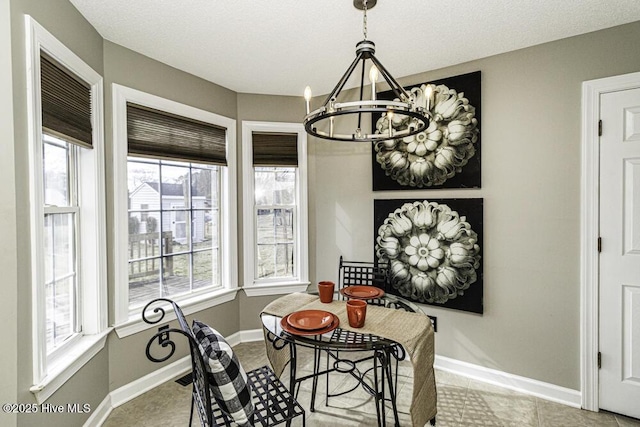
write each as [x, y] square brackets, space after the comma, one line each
[486, 404]
[353, 409]
[451, 401]
[167, 404]
[461, 402]
[554, 414]
[444, 377]
[627, 422]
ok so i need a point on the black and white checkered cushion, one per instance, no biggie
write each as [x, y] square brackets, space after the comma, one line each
[227, 378]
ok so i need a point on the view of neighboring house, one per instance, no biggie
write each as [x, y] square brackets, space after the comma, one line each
[167, 203]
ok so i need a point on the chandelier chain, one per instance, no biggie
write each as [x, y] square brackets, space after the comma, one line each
[364, 19]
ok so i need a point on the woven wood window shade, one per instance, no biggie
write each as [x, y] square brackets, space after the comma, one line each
[275, 149]
[66, 103]
[157, 134]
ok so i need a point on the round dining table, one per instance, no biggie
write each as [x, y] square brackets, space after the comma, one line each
[334, 341]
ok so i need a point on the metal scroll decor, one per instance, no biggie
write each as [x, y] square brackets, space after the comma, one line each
[447, 153]
[433, 248]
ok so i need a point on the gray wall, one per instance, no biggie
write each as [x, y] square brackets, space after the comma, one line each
[531, 189]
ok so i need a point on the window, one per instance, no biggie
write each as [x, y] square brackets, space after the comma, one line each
[174, 237]
[275, 208]
[66, 190]
[61, 220]
[174, 167]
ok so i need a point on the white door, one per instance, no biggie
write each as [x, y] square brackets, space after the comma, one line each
[620, 256]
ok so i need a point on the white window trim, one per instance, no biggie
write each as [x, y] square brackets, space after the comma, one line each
[253, 287]
[92, 269]
[61, 371]
[127, 323]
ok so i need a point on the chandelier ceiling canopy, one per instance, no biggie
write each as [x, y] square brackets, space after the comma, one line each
[402, 110]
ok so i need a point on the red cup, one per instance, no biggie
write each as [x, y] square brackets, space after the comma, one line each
[356, 312]
[325, 289]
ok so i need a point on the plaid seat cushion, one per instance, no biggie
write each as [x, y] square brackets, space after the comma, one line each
[227, 379]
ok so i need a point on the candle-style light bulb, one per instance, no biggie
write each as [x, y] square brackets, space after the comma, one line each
[307, 97]
[428, 93]
[373, 78]
[390, 118]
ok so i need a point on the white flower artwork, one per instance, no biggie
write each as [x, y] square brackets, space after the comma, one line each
[433, 253]
[446, 154]
[441, 151]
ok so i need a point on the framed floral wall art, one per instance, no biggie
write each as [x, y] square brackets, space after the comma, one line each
[434, 250]
[447, 153]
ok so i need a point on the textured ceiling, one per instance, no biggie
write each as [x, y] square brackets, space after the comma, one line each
[280, 46]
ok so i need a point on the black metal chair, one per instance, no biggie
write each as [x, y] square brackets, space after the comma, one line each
[363, 273]
[273, 402]
[353, 273]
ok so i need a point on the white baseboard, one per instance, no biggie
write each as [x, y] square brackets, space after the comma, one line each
[180, 367]
[250, 335]
[150, 381]
[135, 388]
[99, 415]
[547, 391]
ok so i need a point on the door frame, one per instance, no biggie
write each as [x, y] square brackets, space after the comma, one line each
[589, 231]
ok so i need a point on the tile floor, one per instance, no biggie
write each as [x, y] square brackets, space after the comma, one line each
[461, 402]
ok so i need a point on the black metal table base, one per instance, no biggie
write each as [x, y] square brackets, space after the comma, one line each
[382, 379]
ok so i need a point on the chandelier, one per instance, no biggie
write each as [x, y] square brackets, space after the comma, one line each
[402, 110]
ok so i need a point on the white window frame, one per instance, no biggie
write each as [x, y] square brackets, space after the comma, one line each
[127, 322]
[259, 287]
[50, 373]
[73, 163]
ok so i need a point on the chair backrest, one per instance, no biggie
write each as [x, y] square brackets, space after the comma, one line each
[363, 273]
[201, 388]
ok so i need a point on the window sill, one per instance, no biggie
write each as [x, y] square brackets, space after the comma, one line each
[192, 305]
[262, 289]
[77, 356]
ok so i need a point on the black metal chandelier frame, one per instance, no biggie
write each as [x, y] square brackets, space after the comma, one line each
[402, 109]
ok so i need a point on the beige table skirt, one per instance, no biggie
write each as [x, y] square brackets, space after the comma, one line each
[413, 330]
